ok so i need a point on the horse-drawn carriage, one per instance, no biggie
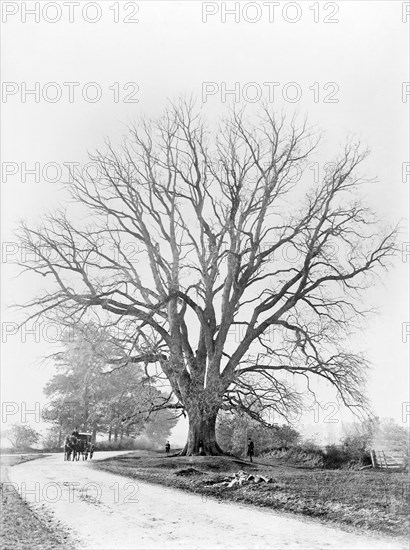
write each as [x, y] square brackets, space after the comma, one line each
[75, 446]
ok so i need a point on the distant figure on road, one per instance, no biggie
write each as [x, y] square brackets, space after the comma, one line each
[167, 447]
[251, 449]
[75, 432]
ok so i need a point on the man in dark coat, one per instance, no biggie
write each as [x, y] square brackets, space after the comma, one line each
[251, 449]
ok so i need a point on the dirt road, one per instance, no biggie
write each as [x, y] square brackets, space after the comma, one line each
[108, 512]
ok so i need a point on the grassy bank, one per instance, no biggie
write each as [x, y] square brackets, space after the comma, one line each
[370, 500]
[21, 528]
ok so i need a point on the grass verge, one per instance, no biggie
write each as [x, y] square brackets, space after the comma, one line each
[368, 500]
[21, 527]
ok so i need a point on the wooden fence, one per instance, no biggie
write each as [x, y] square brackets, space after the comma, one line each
[388, 460]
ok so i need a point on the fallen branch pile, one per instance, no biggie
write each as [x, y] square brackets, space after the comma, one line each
[240, 478]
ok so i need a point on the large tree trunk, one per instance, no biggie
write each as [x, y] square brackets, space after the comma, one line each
[201, 434]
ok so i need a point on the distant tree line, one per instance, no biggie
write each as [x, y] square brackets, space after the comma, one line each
[90, 392]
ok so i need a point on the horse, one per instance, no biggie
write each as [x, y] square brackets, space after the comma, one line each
[69, 446]
[79, 449]
[90, 450]
[83, 449]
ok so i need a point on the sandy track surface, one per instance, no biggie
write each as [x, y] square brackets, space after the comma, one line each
[108, 512]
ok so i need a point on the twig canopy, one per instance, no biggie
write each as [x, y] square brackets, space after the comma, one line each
[200, 246]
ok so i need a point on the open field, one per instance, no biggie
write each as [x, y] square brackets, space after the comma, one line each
[368, 500]
[21, 527]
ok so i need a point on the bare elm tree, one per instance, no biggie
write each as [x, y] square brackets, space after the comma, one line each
[222, 268]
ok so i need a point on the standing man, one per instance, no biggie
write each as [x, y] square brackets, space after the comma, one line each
[251, 449]
[167, 447]
[75, 432]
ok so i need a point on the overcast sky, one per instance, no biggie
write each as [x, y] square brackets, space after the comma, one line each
[344, 64]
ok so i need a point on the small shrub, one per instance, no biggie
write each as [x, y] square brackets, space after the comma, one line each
[335, 457]
[355, 446]
[309, 446]
[307, 453]
[345, 456]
